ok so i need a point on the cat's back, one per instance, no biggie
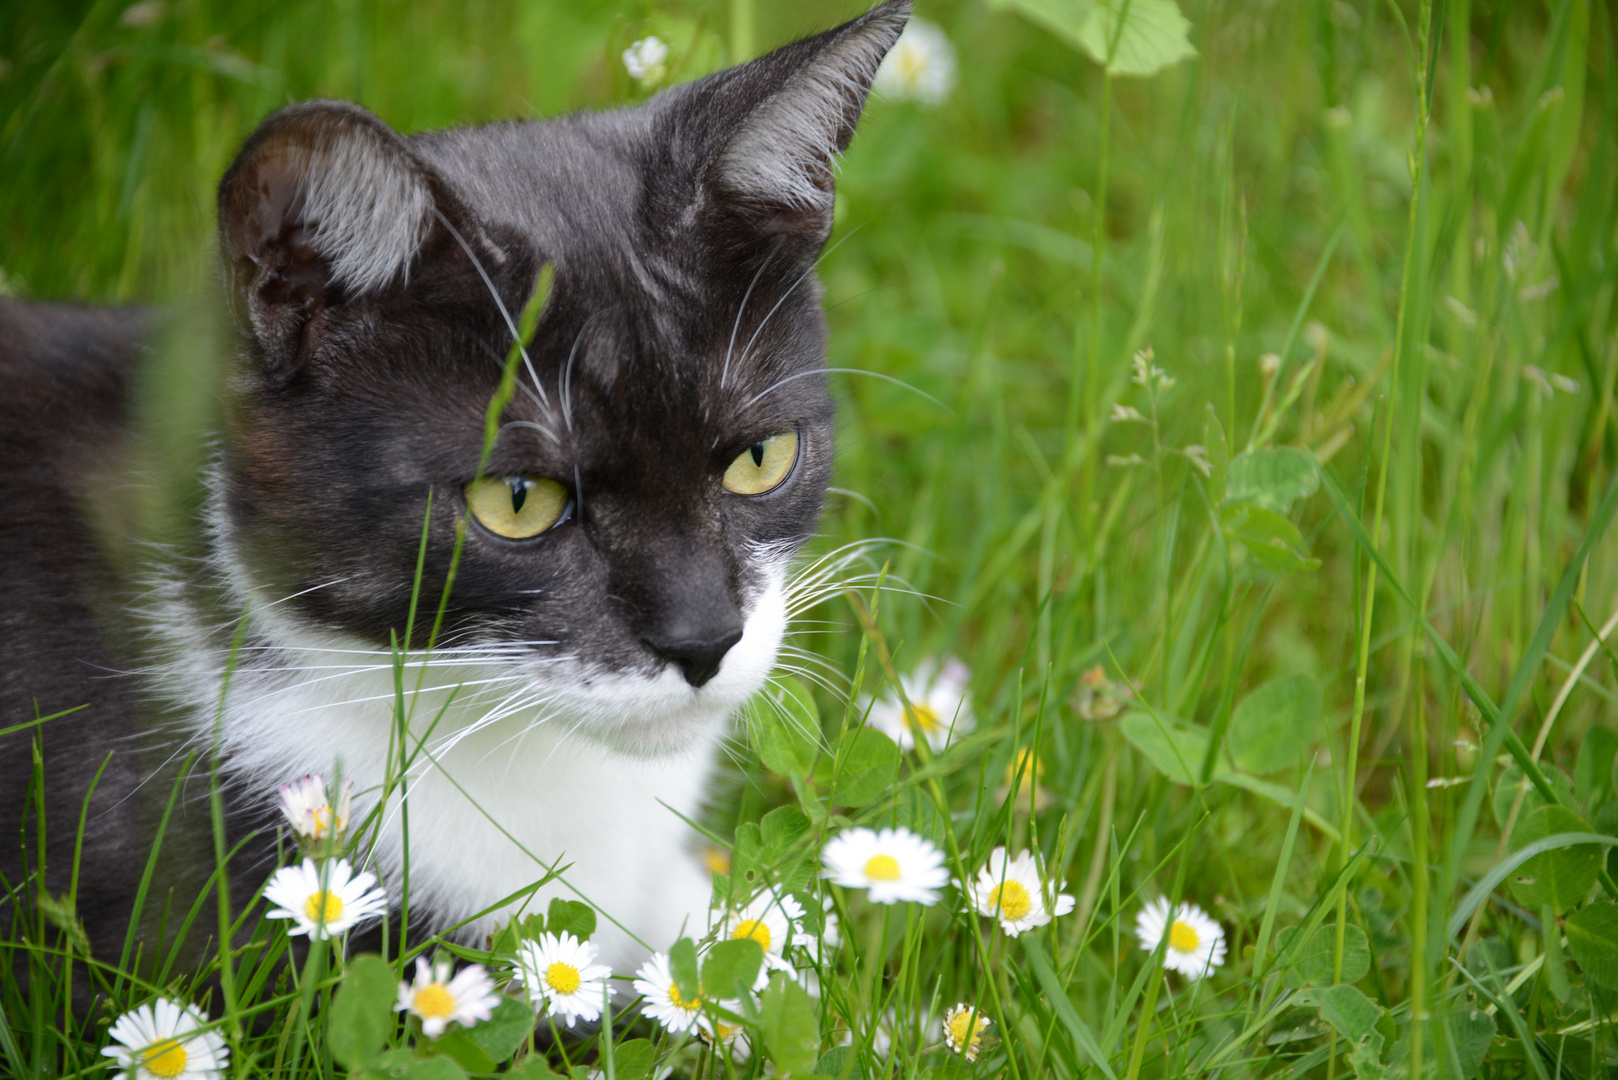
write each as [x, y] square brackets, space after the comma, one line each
[65, 373]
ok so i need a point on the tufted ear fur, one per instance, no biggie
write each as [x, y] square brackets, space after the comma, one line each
[325, 204]
[798, 109]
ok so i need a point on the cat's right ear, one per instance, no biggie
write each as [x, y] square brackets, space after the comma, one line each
[324, 204]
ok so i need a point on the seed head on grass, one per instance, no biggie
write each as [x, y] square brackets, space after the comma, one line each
[1196, 942]
[440, 1000]
[964, 1027]
[1011, 891]
[324, 898]
[892, 865]
[562, 978]
[939, 709]
[165, 1040]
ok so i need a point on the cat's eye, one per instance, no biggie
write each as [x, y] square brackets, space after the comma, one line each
[762, 466]
[516, 507]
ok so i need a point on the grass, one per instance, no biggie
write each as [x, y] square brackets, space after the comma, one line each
[1380, 237]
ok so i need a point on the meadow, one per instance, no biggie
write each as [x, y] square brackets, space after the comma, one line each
[1246, 429]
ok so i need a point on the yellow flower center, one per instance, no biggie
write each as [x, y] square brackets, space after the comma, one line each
[1011, 900]
[680, 1002]
[882, 868]
[922, 719]
[167, 1058]
[434, 1000]
[1182, 938]
[323, 906]
[563, 978]
[755, 929]
[717, 860]
[966, 1032]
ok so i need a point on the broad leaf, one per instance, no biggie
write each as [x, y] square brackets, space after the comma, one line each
[1592, 773]
[1592, 938]
[1310, 962]
[361, 1016]
[571, 916]
[1275, 724]
[869, 762]
[791, 1029]
[731, 967]
[1273, 541]
[633, 1060]
[788, 729]
[1153, 35]
[1560, 877]
[1470, 1033]
[1174, 747]
[504, 1031]
[1357, 1018]
[1272, 478]
[683, 966]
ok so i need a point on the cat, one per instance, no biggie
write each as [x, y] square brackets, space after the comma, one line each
[621, 584]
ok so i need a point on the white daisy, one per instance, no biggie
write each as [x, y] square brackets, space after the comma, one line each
[964, 1026]
[165, 1040]
[1196, 942]
[919, 67]
[939, 709]
[326, 898]
[664, 1003]
[562, 978]
[733, 1038]
[647, 61]
[772, 919]
[309, 810]
[441, 1000]
[894, 865]
[1012, 892]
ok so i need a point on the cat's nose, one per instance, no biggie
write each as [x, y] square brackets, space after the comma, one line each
[698, 650]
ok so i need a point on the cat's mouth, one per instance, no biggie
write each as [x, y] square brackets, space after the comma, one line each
[684, 705]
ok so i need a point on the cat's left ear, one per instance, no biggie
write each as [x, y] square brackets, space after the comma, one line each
[786, 117]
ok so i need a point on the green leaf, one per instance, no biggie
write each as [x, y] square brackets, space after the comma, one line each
[504, 1031]
[1592, 938]
[1272, 478]
[788, 729]
[747, 858]
[633, 1060]
[840, 1063]
[1174, 747]
[915, 810]
[1310, 963]
[1356, 1018]
[1273, 541]
[459, 1047]
[683, 966]
[1470, 1033]
[1560, 877]
[1512, 782]
[780, 829]
[361, 1016]
[731, 967]
[571, 916]
[1153, 35]
[537, 1068]
[870, 761]
[1275, 724]
[791, 1030]
[1592, 772]
[403, 1065]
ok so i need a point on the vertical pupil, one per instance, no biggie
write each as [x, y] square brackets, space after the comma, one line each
[758, 455]
[519, 494]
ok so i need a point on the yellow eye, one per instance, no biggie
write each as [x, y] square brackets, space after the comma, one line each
[516, 507]
[762, 466]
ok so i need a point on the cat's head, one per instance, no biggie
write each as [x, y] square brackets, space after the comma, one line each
[670, 439]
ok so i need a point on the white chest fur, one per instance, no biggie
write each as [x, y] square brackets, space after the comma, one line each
[514, 765]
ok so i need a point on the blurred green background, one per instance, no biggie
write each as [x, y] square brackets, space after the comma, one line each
[1257, 233]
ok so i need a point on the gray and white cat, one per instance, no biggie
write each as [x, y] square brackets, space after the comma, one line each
[621, 589]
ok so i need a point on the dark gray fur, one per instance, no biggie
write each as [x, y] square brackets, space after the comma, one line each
[367, 350]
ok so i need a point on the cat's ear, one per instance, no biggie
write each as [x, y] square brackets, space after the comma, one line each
[324, 204]
[797, 110]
